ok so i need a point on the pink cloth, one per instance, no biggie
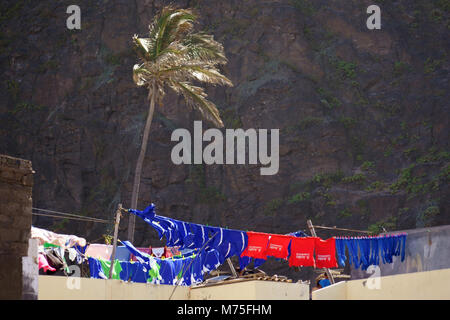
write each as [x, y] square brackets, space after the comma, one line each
[99, 251]
[43, 263]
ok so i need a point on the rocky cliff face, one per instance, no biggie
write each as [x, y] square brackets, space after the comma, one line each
[363, 114]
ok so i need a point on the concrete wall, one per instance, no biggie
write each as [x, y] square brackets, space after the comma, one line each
[252, 290]
[16, 182]
[75, 288]
[337, 291]
[30, 272]
[426, 250]
[428, 285]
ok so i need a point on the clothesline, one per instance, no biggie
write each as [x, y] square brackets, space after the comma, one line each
[342, 229]
[257, 246]
[63, 215]
[248, 246]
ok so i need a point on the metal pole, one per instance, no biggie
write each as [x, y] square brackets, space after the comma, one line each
[313, 233]
[116, 231]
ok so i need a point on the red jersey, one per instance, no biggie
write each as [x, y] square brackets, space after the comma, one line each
[302, 252]
[326, 253]
[257, 245]
[278, 246]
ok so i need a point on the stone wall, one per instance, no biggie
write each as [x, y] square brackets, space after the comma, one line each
[16, 182]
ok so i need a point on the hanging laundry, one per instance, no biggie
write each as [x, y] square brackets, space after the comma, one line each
[278, 246]
[354, 251]
[302, 252]
[366, 251]
[125, 274]
[228, 242]
[197, 268]
[139, 271]
[122, 253]
[186, 272]
[403, 248]
[184, 233]
[325, 253]
[200, 234]
[168, 275]
[73, 254]
[55, 259]
[171, 252]
[144, 250]
[80, 261]
[95, 269]
[297, 234]
[244, 262]
[43, 263]
[99, 251]
[154, 276]
[257, 245]
[106, 266]
[140, 256]
[62, 240]
[374, 252]
[158, 252]
[340, 251]
[177, 269]
[211, 260]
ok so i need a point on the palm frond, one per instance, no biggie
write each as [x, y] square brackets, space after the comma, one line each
[202, 73]
[179, 24]
[196, 97]
[142, 46]
[171, 26]
[203, 46]
[139, 75]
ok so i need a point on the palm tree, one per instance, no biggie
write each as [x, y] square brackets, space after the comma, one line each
[173, 56]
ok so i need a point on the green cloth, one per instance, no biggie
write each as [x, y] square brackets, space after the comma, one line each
[154, 272]
[50, 245]
[106, 265]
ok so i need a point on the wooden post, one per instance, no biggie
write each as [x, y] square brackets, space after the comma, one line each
[313, 233]
[233, 270]
[179, 280]
[116, 230]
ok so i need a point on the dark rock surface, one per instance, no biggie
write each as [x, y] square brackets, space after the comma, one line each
[363, 115]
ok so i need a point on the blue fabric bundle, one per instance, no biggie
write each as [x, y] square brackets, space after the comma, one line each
[227, 242]
[366, 251]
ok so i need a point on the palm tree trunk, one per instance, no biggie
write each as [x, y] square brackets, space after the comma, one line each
[140, 161]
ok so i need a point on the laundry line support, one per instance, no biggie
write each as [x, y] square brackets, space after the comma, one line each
[185, 269]
[116, 231]
[233, 270]
[313, 233]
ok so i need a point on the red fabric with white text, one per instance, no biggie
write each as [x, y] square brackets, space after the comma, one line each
[326, 253]
[278, 246]
[302, 252]
[257, 245]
